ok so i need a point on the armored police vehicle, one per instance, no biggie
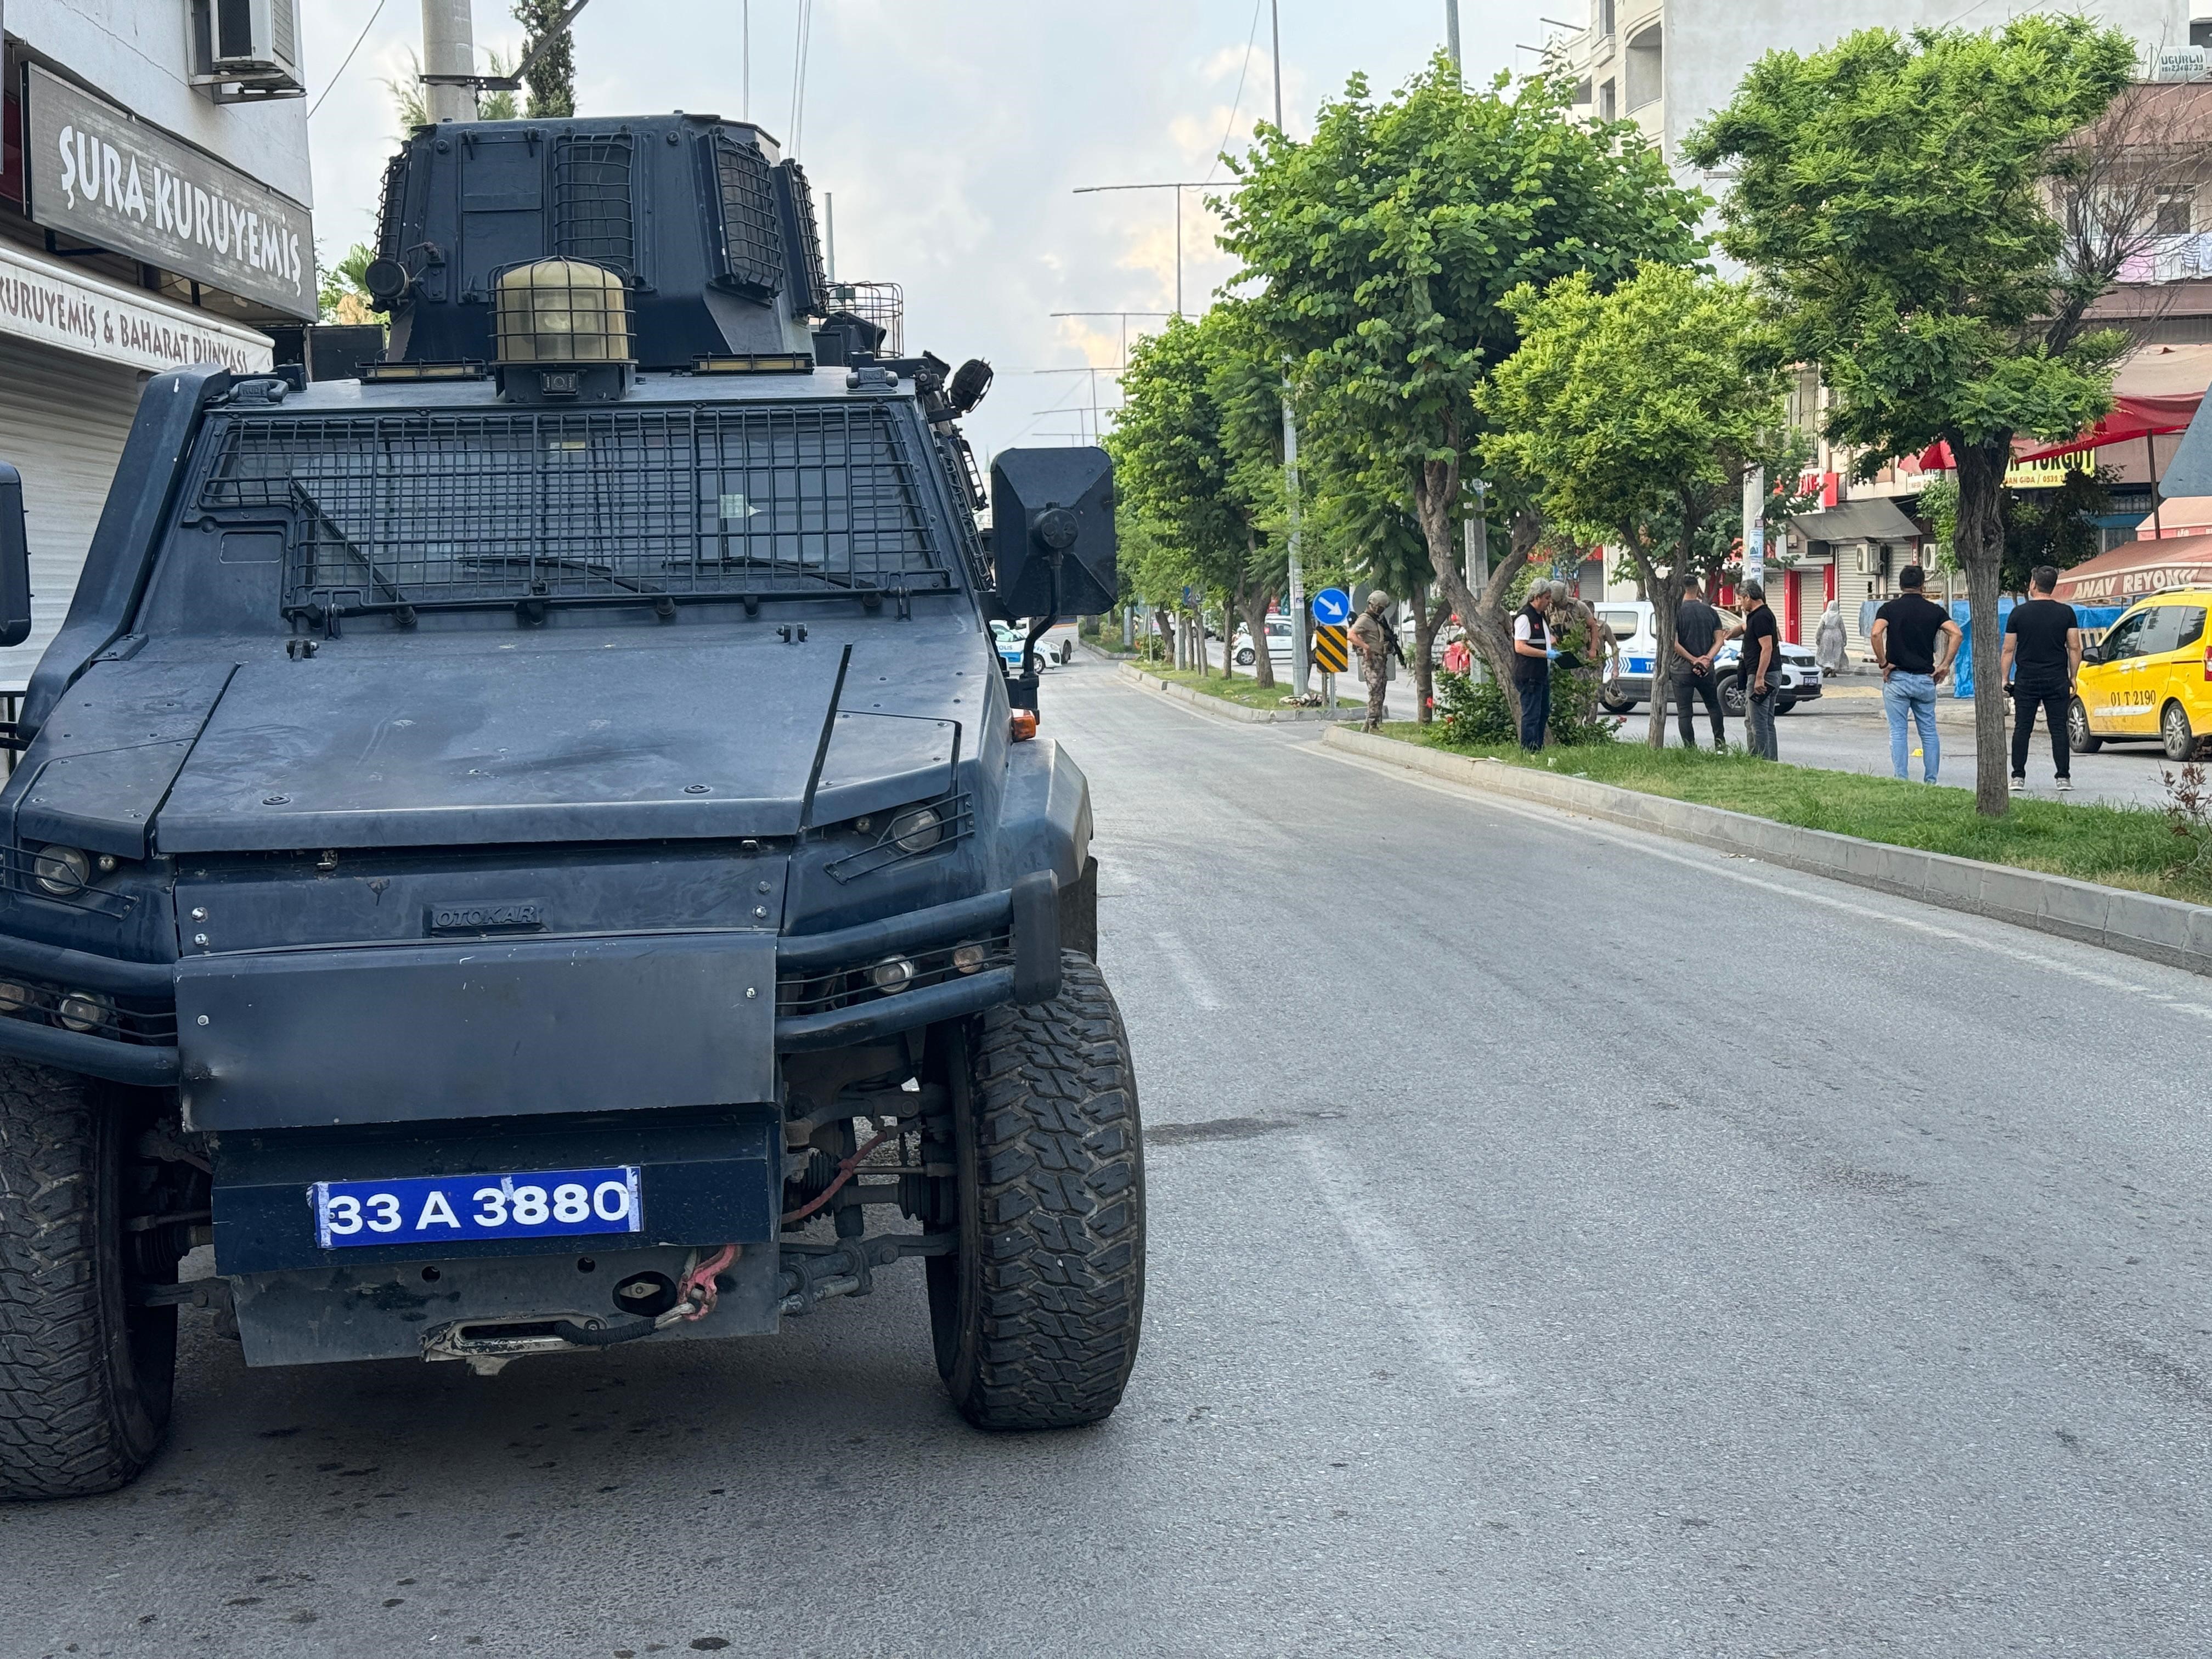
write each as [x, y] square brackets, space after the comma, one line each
[535, 849]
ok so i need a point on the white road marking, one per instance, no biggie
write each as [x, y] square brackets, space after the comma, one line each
[1404, 1281]
[1562, 817]
[1202, 993]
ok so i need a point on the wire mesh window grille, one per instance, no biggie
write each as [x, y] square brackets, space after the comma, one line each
[390, 204]
[752, 247]
[802, 241]
[599, 507]
[594, 215]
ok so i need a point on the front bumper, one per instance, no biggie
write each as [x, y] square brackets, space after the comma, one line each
[824, 997]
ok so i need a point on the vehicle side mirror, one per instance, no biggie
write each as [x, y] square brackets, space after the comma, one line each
[1051, 532]
[2093, 653]
[14, 561]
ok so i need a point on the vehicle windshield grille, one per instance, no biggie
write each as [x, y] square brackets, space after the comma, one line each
[592, 505]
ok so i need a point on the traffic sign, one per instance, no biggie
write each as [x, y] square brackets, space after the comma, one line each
[1329, 651]
[1332, 607]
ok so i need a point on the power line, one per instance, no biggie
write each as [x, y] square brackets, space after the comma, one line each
[1238, 103]
[340, 73]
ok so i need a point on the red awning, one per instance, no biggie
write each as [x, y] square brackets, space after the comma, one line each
[2134, 568]
[2156, 390]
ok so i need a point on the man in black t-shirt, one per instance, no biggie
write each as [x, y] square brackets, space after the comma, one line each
[2042, 655]
[1697, 637]
[1914, 641]
[1759, 670]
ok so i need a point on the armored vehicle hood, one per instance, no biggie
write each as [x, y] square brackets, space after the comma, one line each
[581, 742]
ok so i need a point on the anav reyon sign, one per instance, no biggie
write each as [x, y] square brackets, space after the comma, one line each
[99, 175]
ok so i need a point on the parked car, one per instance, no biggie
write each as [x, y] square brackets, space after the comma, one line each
[2150, 677]
[1627, 679]
[1281, 646]
[1013, 639]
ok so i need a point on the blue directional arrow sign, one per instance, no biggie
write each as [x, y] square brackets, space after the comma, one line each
[1332, 606]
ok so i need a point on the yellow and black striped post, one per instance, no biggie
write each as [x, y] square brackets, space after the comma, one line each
[1330, 654]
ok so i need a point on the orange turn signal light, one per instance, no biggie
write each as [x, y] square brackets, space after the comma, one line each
[1024, 725]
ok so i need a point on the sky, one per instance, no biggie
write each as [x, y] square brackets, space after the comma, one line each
[952, 135]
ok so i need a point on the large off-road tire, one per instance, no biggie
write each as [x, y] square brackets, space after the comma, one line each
[85, 1376]
[1037, 1317]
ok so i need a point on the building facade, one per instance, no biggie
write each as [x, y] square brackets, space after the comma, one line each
[154, 210]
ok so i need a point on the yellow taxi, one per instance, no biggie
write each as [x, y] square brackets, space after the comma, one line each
[2149, 677]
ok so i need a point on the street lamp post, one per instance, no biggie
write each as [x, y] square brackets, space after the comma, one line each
[1301, 624]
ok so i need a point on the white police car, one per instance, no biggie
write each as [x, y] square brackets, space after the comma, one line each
[1627, 678]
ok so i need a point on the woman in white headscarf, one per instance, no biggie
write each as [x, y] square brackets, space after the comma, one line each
[1828, 643]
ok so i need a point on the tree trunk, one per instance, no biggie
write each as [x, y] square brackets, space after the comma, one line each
[1436, 492]
[1979, 541]
[1232, 605]
[1428, 619]
[1255, 600]
[1667, 592]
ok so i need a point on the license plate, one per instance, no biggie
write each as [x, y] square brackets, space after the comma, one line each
[463, 1209]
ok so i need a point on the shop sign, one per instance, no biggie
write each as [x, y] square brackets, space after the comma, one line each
[99, 175]
[76, 313]
[2049, 474]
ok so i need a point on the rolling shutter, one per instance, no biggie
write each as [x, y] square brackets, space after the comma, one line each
[63, 421]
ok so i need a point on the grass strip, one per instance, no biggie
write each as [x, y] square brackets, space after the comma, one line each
[2130, 847]
[1243, 689]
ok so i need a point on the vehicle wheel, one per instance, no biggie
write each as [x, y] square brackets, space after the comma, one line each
[1036, 1317]
[1732, 697]
[1784, 705]
[85, 1376]
[2175, 735]
[2079, 737]
[1243, 658]
[1067, 653]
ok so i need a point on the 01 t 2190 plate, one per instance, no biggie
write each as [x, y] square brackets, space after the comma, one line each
[463, 1209]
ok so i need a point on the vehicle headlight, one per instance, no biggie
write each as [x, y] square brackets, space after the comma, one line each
[17, 999]
[892, 974]
[85, 1011]
[967, 958]
[918, 830]
[60, 870]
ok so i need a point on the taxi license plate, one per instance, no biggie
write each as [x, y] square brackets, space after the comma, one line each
[465, 1209]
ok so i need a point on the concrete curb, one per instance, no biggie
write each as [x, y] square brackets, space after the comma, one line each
[2141, 925]
[1225, 709]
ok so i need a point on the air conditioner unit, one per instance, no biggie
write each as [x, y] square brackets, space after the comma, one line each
[1873, 559]
[246, 48]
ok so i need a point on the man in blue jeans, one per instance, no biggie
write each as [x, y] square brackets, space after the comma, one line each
[1914, 641]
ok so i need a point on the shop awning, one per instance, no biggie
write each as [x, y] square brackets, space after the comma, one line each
[1875, 518]
[2158, 389]
[2134, 568]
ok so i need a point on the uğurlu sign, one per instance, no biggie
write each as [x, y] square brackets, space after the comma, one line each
[98, 175]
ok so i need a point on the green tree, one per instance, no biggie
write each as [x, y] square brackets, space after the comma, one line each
[1197, 450]
[1385, 246]
[1636, 409]
[343, 296]
[1891, 193]
[552, 82]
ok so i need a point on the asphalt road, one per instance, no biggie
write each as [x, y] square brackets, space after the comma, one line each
[1563, 1242]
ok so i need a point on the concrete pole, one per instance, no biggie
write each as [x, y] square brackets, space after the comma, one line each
[1301, 622]
[448, 48]
[1451, 37]
[1754, 524]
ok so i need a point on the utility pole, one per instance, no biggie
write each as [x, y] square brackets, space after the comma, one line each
[745, 98]
[1178, 186]
[1754, 524]
[1301, 624]
[448, 53]
[1451, 39]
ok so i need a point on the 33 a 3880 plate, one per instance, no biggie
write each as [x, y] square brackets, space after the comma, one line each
[463, 1209]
